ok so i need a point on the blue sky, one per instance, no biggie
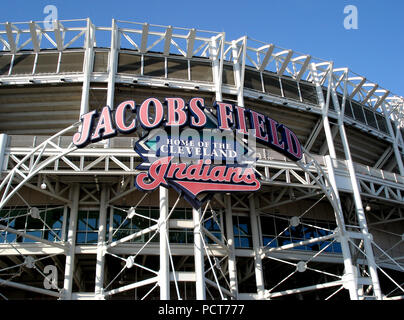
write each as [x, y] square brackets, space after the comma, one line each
[316, 27]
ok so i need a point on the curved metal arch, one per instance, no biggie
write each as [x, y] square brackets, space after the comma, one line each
[37, 166]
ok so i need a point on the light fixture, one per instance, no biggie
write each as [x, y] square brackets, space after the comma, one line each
[131, 212]
[134, 81]
[294, 221]
[29, 262]
[196, 87]
[166, 84]
[63, 80]
[368, 208]
[130, 261]
[301, 266]
[43, 186]
[34, 212]
[260, 97]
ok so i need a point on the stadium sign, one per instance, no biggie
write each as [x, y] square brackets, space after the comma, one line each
[189, 148]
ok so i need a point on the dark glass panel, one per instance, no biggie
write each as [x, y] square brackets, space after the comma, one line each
[5, 61]
[228, 75]
[177, 69]
[23, 64]
[47, 63]
[331, 105]
[100, 62]
[272, 85]
[370, 118]
[309, 93]
[201, 71]
[348, 110]
[358, 112]
[71, 62]
[381, 121]
[290, 89]
[153, 66]
[252, 80]
[129, 63]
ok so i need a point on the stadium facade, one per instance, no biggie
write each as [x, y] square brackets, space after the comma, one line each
[327, 224]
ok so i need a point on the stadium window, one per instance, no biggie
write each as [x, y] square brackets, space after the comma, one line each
[381, 122]
[5, 61]
[213, 226]
[71, 62]
[268, 231]
[47, 63]
[290, 89]
[87, 226]
[122, 226]
[181, 236]
[370, 118]
[276, 231]
[201, 71]
[154, 66]
[48, 226]
[9, 217]
[182, 213]
[242, 232]
[100, 61]
[129, 63]
[228, 75]
[177, 69]
[309, 93]
[252, 80]
[23, 64]
[272, 84]
[331, 105]
[358, 112]
[348, 109]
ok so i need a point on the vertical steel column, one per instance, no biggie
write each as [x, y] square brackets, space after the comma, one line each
[259, 274]
[397, 152]
[230, 243]
[88, 67]
[100, 262]
[216, 54]
[71, 241]
[239, 68]
[164, 274]
[3, 145]
[360, 213]
[346, 252]
[112, 64]
[199, 256]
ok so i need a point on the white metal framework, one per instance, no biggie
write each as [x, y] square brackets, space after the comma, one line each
[331, 178]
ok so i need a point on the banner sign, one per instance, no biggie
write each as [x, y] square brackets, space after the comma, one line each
[190, 148]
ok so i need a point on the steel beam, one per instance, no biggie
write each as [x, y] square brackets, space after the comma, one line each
[230, 242]
[199, 256]
[164, 274]
[101, 248]
[255, 232]
[71, 240]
